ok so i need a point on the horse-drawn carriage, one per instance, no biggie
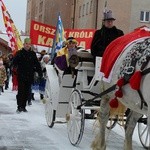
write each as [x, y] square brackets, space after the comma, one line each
[70, 97]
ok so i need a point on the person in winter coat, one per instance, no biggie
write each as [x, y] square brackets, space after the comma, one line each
[3, 76]
[104, 36]
[45, 61]
[35, 85]
[26, 63]
[7, 67]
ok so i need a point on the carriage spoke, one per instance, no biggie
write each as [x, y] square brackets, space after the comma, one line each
[143, 132]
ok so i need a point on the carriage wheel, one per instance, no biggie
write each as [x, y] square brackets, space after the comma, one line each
[112, 122]
[75, 118]
[50, 113]
[144, 135]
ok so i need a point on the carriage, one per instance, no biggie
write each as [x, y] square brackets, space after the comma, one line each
[74, 98]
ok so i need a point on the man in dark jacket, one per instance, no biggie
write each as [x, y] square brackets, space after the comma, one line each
[104, 36]
[26, 63]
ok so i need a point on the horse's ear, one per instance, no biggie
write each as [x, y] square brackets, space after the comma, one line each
[135, 80]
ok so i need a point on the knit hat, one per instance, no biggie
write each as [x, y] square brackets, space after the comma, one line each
[108, 15]
[27, 40]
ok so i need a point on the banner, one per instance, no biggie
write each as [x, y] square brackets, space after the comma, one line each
[83, 36]
[42, 34]
[11, 30]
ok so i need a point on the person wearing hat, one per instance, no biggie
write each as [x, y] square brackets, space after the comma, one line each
[104, 36]
[63, 55]
[26, 63]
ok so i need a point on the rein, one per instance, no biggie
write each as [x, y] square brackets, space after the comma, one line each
[140, 54]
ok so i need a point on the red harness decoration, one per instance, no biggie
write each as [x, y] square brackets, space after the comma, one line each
[111, 54]
[135, 80]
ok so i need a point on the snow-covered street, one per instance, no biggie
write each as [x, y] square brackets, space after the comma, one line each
[29, 131]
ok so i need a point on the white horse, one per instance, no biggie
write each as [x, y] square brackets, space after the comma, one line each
[131, 99]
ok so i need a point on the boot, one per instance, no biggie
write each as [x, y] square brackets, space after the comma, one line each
[32, 96]
[29, 103]
[2, 89]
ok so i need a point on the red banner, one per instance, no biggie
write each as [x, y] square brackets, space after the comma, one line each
[42, 34]
[83, 36]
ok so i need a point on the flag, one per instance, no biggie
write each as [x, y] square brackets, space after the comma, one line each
[17, 35]
[59, 37]
[11, 30]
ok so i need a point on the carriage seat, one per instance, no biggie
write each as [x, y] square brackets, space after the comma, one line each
[86, 61]
[85, 55]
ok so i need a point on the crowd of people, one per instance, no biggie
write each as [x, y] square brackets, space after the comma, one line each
[5, 71]
[28, 68]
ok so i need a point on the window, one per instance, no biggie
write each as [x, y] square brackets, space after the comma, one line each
[91, 6]
[79, 11]
[87, 8]
[83, 9]
[41, 6]
[145, 16]
[40, 18]
[36, 10]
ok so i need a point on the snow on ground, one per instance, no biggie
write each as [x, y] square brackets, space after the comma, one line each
[29, 131]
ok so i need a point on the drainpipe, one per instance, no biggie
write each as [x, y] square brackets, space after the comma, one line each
[74, 12]
[96, 15]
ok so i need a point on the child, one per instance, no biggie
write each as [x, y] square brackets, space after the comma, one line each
[45, 61]
[3, 76]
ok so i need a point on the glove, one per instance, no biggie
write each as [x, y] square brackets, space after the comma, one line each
[44, 70]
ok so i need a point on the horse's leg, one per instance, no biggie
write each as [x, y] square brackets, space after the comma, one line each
[99, 142]
[131, 122]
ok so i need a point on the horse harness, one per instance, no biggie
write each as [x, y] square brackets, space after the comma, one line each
[140, 53]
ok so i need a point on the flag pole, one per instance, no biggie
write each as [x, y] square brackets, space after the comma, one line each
[54, 40]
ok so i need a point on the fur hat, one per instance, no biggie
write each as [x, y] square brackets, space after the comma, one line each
[43, 52]
[108, 15]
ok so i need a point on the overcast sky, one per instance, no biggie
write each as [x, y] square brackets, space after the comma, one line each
[17, 10]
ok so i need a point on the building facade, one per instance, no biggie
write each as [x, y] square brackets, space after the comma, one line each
[47, 11]
[129, 14]
[4, 48]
